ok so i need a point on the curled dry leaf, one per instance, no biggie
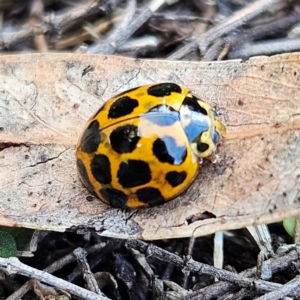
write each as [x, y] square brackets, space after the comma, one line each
[47, 98]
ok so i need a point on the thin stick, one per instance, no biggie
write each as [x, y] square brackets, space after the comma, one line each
[13, 265]
[283, 291]
[238, 19]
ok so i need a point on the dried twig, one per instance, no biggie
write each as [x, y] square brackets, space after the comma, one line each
[68, 17]
[21, 291]
[57, 265]
[127, 28]
[233, 42]
[238, 19]
[267, 48]
[241, 280]
[89, 277]
[54, 24]
[13, 266]
[283, 291]
[119, 35]
[95, 259]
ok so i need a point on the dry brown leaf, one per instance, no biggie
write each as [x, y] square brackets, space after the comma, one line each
[46, 99]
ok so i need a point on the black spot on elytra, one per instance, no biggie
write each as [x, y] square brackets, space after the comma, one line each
[122, 107]
[83, 175]
[124, 138]
[161, 152]
[176, 178]
[162, 115]
[91, 138]
[115, 197]
[166, 150]
[193, 105]
[150, 195]
[163, 89]
[100, 167]
[134, 173]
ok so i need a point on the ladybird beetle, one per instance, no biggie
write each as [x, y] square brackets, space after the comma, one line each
[143, 146]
